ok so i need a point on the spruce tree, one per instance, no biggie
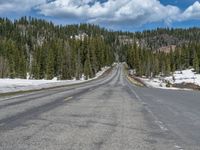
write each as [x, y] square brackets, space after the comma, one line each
[50, 65]
[196, 63]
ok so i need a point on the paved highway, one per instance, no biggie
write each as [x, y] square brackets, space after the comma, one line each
[109, 114]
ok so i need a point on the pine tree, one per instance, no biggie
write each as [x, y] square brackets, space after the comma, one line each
[50, 65]
[196, 63]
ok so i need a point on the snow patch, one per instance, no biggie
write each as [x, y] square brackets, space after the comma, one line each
[154, 82]
[179, 77]
[185, 76]
[14, 85]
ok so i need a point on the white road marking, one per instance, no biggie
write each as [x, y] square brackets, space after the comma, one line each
[68, 98]
[11, 97]
[157, 121]
[178, 147]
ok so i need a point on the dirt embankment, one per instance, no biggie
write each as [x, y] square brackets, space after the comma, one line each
[137, 80]
[187, 86]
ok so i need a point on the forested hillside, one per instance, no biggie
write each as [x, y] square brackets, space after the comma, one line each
[163, 51]
[44, 50]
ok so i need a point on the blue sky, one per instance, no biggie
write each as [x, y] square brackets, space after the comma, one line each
[183, 4]
[130, 15]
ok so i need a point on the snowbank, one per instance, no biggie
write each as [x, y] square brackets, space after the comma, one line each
[156, 83]
[179, 77]
[14, 85]
[185, 76]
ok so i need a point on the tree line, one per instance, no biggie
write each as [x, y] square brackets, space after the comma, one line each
[151, 63]
[45, 51]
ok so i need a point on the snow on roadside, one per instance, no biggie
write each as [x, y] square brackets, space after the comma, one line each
[179, 77]
[156, 83]
[14, 85]
[185, 76]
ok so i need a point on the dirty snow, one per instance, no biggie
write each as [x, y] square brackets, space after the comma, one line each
[154, 82]
[184, 76]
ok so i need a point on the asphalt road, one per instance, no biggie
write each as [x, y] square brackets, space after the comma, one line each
[109, 114]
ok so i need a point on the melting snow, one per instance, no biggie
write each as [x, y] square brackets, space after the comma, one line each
[14, 85]
[184, 76]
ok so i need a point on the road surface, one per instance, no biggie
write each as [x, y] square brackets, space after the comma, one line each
[109, 114]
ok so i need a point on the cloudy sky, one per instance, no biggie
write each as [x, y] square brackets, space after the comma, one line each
[113, 14]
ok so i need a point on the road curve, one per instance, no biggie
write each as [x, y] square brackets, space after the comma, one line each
[108, 114]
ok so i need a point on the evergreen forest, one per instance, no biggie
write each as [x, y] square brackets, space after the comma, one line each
[45, 50]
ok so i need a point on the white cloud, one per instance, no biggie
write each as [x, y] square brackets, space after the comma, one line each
[111, 12]
[192, 12]
[135, 12]
[18, 6]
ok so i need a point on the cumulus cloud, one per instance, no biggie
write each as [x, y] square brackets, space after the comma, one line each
[111, 12]
[18, 6]
[135, 12]
[192, 12]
